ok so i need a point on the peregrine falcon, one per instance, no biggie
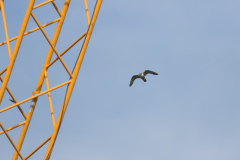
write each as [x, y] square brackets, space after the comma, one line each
[142, 76]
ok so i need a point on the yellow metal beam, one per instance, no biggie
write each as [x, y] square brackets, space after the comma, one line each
[4, 70]
[55, 6]
[0, 6]
[5, 28]
[87, 13]
[41, 4]
[15, 50]
[50, 100]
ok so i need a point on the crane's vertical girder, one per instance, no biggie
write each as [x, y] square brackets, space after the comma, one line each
[44, 73]
[74, 75]
[16, 48]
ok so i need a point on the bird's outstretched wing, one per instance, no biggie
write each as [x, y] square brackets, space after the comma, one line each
[133, 78]
[148, 71]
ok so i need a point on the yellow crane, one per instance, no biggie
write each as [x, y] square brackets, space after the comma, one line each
[50, 61]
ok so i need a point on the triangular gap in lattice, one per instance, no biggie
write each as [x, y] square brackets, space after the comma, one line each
[8, 100]
[46, 13]
[2, 75]
[58, 96]
[57, 74]
[71, 56]
[8, 147]
[14, 133]
[60, 3]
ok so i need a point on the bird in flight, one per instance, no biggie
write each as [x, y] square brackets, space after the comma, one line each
[142, 76]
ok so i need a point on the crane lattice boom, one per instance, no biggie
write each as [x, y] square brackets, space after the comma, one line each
[46, 84]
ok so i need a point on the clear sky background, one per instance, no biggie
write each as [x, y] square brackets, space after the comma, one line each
[190, 111]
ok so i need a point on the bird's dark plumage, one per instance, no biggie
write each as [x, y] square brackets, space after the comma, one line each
[142, 76]
[12, 100]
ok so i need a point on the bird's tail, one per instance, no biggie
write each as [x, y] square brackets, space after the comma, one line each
[144, 79]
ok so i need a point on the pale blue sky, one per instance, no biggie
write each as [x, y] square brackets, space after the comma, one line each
[190, 111]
